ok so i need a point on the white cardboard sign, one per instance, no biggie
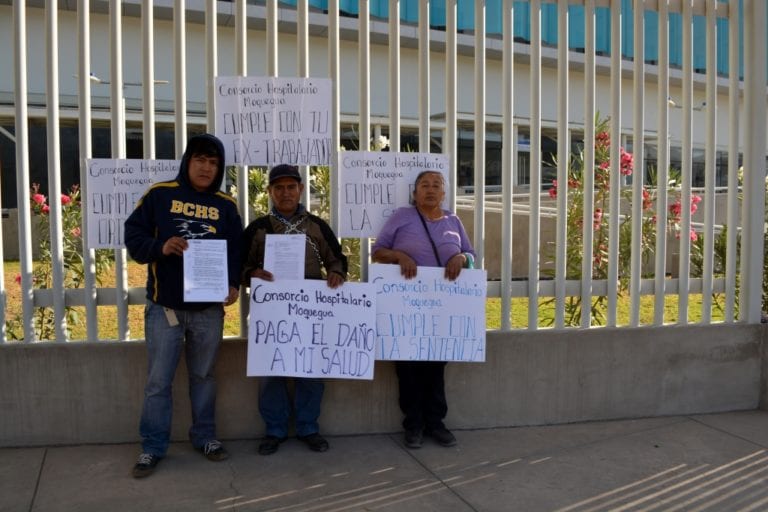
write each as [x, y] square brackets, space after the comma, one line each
[374, 184]
[113, 188]
[303, 328]
[274, 120]
[429, 318]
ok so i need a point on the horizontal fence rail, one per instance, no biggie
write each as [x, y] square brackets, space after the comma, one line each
[600, 187]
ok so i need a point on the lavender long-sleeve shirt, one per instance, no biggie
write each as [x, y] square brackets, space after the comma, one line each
[404, 232]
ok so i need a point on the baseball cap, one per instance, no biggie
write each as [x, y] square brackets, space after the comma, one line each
[284, 171]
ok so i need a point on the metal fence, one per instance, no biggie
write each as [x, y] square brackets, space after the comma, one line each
[734, 120]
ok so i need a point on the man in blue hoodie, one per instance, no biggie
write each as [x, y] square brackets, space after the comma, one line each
[170, 213]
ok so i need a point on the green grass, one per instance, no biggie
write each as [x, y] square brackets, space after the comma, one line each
[107, 315]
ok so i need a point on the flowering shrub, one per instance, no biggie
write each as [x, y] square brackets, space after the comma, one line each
[575, 197]
[74, 268]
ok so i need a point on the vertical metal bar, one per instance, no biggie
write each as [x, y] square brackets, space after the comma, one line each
[84, 140]
[563, 157]
[241, 65]
[754, 161]
[534, 193]
[272, 34]
[709, 163]
[148, 78]
[22, 168]
[54, 167]
[211, 62]
[662, 166]
[479, 232]
[302, 50]
[117, 108]
[733, 160]
[509, 140]
[589, 164]
[638, 177]
[394, 73]
[450, 144]
[424, 97]
[687, 161]
[364, 60]
[180, 74]
[334, 75]
[615, 180]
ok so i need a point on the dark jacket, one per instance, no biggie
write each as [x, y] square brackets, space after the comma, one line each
[174, 208]
[323, 251]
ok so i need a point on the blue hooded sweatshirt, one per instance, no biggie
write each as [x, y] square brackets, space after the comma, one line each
[175, 208]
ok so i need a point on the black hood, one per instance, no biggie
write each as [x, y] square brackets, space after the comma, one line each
[207, 144]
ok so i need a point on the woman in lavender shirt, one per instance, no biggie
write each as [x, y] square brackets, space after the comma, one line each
[424, 235]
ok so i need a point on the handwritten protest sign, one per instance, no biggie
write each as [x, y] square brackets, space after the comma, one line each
[274, 120]
[113, 187]
[373, 185]
[303, 328]
[429, 318]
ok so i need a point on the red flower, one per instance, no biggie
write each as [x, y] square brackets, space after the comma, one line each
[597, 217]
[38, 198]
[553, 190]
[45, 209]
[17, 278]
[65, 199]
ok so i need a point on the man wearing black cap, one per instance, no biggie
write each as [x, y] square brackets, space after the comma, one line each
[168, 214]
[323, 253]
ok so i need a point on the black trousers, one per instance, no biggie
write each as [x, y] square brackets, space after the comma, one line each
[422, 394]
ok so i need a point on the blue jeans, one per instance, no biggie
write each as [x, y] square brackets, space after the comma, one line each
[202, 331]
[275, 406]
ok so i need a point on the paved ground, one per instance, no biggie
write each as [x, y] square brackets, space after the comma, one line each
[713, 462]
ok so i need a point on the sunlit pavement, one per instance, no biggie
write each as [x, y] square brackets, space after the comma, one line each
[711, 462]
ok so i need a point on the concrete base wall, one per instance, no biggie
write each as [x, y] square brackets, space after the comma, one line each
[92, 393]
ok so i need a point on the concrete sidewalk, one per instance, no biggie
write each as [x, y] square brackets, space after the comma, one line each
[711, 462]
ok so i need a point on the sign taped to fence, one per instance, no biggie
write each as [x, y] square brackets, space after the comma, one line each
[113, 188]
[374, 184]
[274, 120]
[429, 318]
[303, 328]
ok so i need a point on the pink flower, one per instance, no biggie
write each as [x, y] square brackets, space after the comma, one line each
[647, 202]
[65, 199]
[553, 190]
[695, 200]
[75, 231]
[603, 140]
[694, 236]
[38, 198]
[17, 278]
[627, 162]
[604, 165]
[597, 217]
[45, 209]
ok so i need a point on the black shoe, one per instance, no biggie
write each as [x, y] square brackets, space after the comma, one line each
[145, 465]
[316, 442]
[269, 445]
[443, 436]
[214, 450]
[413, 438]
